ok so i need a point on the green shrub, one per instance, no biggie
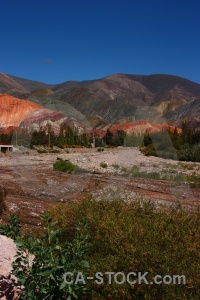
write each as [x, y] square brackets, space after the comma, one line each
[43, 278]
[11, 230]
[135, 237]
[103, 165]
[194, 180]
[64, 166]
[67, 166]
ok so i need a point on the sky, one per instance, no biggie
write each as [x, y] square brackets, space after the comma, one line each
[53, 41]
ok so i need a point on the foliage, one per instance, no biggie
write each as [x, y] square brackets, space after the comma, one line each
[136, 237]
[12, 230]
[115, 139]
[194, 180]
[103, 165]
[171, 144]
[67, 166]
[41, 263]
[188, 152]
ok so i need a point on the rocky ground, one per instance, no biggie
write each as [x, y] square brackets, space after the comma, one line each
[33, 186]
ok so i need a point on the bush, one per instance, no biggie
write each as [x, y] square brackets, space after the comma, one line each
[189, 153]
[103, 165]
[43, 278]
[64, 166]
[12, 230]
[67, 166]
[135, 237]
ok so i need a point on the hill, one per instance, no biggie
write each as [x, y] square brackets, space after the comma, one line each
[115, 98]
[15, 112]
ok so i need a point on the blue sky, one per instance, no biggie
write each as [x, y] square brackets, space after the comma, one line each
[58, 40]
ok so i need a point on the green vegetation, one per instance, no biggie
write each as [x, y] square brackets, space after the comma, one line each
[112, 236]
[134, 171]
[67, 136]
[67, 166]
[168, 144]
[103, 165]
[194, 179]
[137, 237]
[168, 172]
[116, 166]
[12, 230]
[114, 139]
[43, 260]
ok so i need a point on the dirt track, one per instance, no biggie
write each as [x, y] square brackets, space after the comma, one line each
[34, 187]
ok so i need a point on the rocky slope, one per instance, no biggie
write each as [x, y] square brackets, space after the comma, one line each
[141, 127]
[116, 98]
[13, 110]
[26, 114]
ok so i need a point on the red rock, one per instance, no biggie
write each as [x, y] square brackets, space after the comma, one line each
[141, 127]
[14, 110]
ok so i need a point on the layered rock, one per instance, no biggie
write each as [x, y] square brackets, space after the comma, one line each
[141, 127]
[32, 116]
[14, 110]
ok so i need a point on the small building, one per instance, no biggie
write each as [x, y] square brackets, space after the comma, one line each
[6, 147]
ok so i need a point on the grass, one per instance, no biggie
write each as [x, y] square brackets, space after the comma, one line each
[137, 237]
[169, 173]
[68, 167]
[135, 172]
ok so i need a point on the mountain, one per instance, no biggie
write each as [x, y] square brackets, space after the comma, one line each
[13, 110]
[16, 112]
[13, 84]
[141, 127]
[117, 98]
[190, 110]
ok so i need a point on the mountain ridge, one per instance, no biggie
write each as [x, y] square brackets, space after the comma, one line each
[115, 97]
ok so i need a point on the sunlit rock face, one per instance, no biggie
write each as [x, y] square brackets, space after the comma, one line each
[14, 110]
[141, 127]
[31, 116]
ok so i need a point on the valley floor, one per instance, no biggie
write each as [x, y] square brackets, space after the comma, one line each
[34, 186]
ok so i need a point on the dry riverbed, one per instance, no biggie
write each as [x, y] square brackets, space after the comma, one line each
[34, 186]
